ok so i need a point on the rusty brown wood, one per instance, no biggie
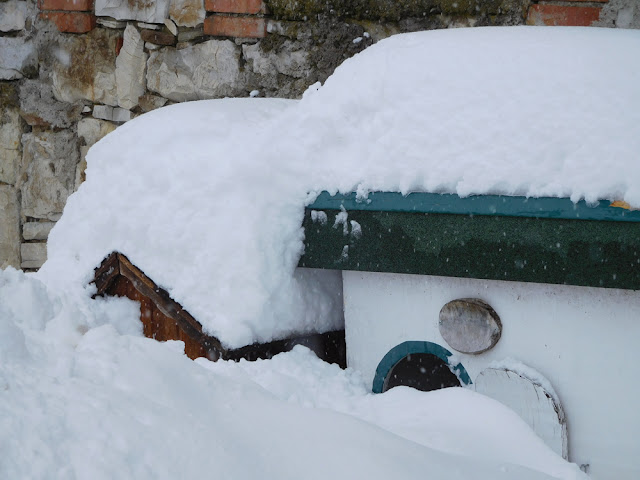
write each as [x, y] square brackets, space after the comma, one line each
[122, 287]
[108, 270]
[168, 306]
[155, 324]
[165, 319]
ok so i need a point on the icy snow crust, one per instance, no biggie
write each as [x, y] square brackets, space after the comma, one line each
[207, 198]
[83, 395]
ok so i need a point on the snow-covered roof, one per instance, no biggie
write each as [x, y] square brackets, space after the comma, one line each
[207, 197]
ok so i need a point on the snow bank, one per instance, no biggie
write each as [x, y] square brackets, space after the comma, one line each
[83, 395]
[207, 198]
[454, 420]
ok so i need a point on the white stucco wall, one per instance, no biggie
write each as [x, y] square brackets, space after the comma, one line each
[584, 340]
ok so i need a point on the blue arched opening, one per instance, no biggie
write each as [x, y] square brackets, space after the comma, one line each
[405, 349]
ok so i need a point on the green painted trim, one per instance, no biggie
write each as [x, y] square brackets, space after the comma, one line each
[495, 205]
[398, 352]
[521, 249]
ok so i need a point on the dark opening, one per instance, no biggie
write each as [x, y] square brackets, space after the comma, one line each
[422, 371]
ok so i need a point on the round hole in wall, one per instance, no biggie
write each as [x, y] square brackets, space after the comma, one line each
[410, 348]
[422, 371]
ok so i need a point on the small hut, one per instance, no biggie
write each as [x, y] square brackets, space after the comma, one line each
[531, 301]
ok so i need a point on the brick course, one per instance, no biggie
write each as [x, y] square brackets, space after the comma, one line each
[563, 15]
[66, 5]
[251, 7]
[227, 26]
[71, 22]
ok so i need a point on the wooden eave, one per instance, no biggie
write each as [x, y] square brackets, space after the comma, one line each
[117, 264]
[329, 346]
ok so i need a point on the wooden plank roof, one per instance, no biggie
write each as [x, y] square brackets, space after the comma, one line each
[117, 268]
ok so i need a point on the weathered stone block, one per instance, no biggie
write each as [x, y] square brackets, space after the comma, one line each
[91, 130]
[159, 38]
[150, 102]
[207, 70]
[10, 134]
[187, 35]
[290, 59]
[187, 13]
[9, 227]
[36, 230]
[18, 58]
[38, 107]
[111, 23]
[130, 68]
[149, 26]
[48, 172]
[142, 10]
[121, 115]
[13, 15]
[171, 26]
[33, 255]
[85, 67]
[105, 112]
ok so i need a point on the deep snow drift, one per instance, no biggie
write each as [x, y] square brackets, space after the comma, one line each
[84, 396]
[207, 198]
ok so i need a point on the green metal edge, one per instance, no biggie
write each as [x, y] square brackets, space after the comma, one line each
[499, 205]
[400, 351]
[541, 250]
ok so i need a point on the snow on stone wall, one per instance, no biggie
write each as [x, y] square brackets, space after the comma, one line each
[620, 14]
[70, 72]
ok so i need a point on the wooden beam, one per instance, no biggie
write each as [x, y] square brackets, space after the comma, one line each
[106, 273]
[170, 308]
[329, 346]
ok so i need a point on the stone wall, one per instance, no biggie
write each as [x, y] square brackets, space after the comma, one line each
[71, 71]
